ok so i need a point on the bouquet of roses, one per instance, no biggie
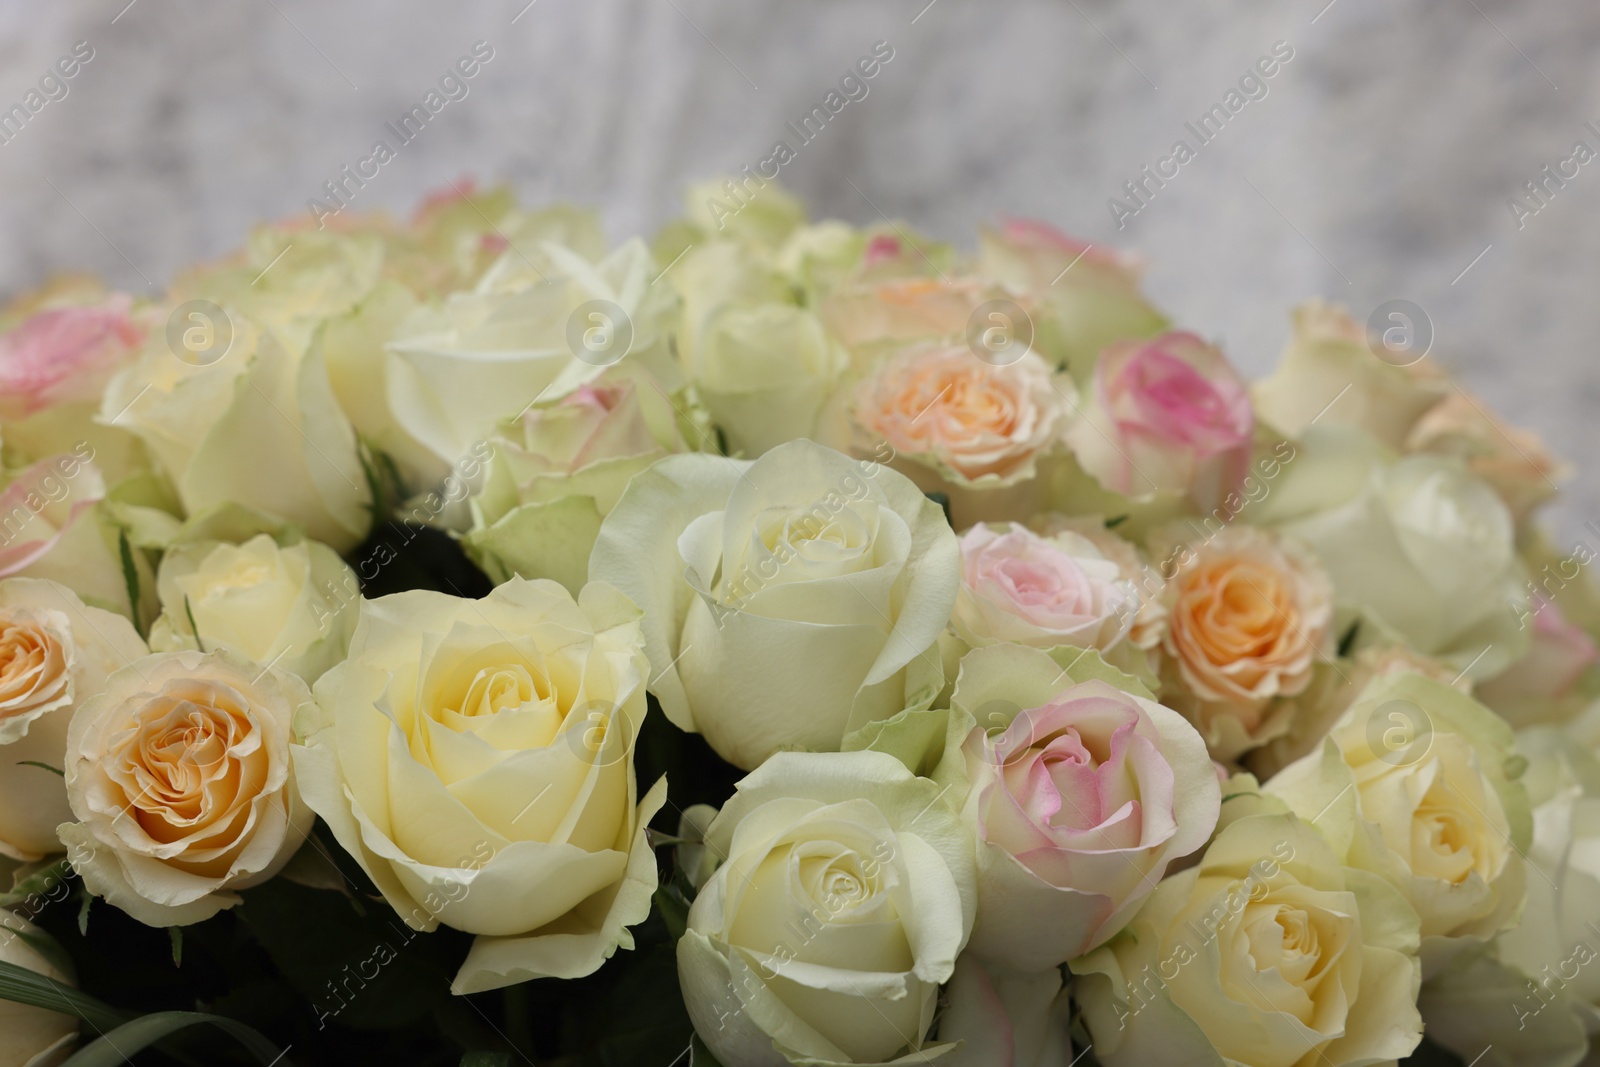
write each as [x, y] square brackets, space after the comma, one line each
[458, 641]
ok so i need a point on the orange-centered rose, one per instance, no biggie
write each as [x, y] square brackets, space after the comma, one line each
[1249, 614]
[179, 775]
[972, 421]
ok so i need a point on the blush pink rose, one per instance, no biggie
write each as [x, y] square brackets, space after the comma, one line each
[1542, 686]
[1081, 804]
[1027, 589]
[65, 354]
[42, 506]
[1169, 414]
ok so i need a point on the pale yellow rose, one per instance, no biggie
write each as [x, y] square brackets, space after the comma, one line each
[475, 757]
[292, 607]
[1514, 462]
[55, 653]
[1416, 782]
[179, 778]
[845, 896]
[1271, 953]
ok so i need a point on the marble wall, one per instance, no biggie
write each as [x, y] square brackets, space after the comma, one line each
[1378, 164]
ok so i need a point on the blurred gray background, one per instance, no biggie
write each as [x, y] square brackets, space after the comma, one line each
[1379, 165]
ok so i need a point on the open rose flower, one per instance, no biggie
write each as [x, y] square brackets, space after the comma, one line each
[557, 471]
[788, 601]
[845, 896]
[1005, 1018]
[55, 653]
[1543, 686]
[1248, 615]
[178, 774]
[1272, 952]
[1165, 415]
[1088, 295]
[1081, 794]
[1020, 587]
[1416, 782]
[291, 606]
[475, 757]
[971, 429]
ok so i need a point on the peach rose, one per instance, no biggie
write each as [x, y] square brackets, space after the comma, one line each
[1248, 615]
[179, 775]
[55, 653]
[1169, 414]
[869, 317]
[962, 423]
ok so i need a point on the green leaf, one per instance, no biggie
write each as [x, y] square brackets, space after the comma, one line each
[42, 766]
[674, 908]
[130, 577]
[1112, 524]
[23, 986]
[486, 1059]
[1349, 639]
[176, 934]
[113, 1049]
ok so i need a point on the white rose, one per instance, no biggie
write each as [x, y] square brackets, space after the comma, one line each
[1005, 1018]
[1415, 782]
[291, 607]
[787, 601]
[255, 423]
[1419, 546]
[844, 899]
[55, 653]
[523, 335]
[475, 757]
[30, 1036]
[178, 774]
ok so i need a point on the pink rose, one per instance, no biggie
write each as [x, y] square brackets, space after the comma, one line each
[1542, 686]
[1080, 805]
[1169, 414]
[64, 354]
[1045, 592]
[42, 506]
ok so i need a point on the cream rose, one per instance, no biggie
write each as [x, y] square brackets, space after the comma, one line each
[973, 430]
[246, 418]
[55, 653]
[1020, 587]
[1415, 782]
[475, 757]
[1271, 953]
[30, 1036]
[1422, 548]
[179, 778]
[787, 601]
[1081, 795]
[1165, 415]
[292, 606]
[1248, 615]
[1329, 372]
[555, 472]
[845, 896]
[876, 317]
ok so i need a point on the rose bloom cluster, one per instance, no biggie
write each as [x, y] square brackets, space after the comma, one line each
[1083, 699]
